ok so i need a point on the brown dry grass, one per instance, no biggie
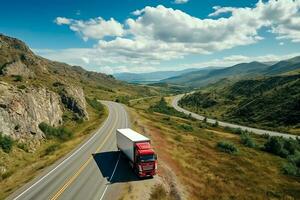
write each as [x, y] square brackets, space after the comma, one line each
[206, 173]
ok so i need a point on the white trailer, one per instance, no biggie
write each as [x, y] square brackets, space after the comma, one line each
[126, 140]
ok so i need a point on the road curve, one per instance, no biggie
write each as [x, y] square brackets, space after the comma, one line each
[226, 124]
[92, 171]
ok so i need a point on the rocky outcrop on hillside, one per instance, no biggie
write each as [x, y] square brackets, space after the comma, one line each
[22, 110]
[73, 98]
[17, 68]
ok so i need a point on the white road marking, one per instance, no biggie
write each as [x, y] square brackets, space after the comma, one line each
[61, 162]
[112, 175]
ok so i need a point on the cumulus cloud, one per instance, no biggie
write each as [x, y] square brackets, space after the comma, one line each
[155, 34]
[180, 1]
[96, 28]
[62, 20]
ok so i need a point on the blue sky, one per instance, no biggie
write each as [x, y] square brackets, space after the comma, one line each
[108, 36]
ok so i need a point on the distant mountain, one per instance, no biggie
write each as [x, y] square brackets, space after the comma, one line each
[236, 72]
[150, 76]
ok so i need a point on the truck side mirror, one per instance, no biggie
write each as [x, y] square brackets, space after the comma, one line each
[155, 156]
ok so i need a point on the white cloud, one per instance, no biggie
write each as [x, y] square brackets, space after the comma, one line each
[180, 1]
[96, 28]
[156, 34]
[62, 20]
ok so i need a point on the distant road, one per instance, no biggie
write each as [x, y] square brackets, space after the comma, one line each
[226, 124]
[95, 170]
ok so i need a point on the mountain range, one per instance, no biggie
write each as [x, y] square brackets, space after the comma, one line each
[150, 76]
[236, 72]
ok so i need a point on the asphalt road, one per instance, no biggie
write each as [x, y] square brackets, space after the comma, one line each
[226, 124]
[95, 170]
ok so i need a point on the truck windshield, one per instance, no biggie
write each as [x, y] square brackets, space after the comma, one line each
[146, 158]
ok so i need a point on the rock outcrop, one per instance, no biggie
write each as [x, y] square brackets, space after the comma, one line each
[21, 111]
[73, 98]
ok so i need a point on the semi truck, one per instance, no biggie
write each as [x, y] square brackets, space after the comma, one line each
[137, 148]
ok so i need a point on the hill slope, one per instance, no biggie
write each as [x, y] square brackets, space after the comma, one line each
[35, 90]
[272, 103]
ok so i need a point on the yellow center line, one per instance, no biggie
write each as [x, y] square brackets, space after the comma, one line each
[71, 180]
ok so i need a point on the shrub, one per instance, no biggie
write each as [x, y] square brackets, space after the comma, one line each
[247, 140]
[281, 146]
[227, 147]
[186, 127]
[295, 159]
[237, 131]
[23, 146]
[51, 149]
[162, 107]
[290, 169]
[95, 104]
[60, 133]
[6, 143]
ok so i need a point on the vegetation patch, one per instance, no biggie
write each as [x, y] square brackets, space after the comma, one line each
[96, 105]
[51, 132]
[227, 147]
[247, 140]
[6, 143]
[164, 108]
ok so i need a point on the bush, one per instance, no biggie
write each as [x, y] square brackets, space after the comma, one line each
[227, 147]
[60, 133]
[290, 169]
[186, 127]
[247, 140]
[23, 146]
[6, 143]
[51, 149]
[281, 146]
[162, 107]
[295, 159]
[95, 104]
[237, 131]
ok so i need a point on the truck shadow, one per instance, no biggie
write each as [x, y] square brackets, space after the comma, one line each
[106, 162]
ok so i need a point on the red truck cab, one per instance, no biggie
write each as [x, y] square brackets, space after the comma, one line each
[146, 159]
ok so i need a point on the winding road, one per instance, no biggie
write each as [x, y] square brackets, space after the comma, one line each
[226, 124]
[95, 170]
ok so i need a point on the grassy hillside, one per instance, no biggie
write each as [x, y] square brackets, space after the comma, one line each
[196, 160]
[237, 72]
[271, 103]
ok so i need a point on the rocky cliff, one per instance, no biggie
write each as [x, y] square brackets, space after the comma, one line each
[22, 110]
[32, 97]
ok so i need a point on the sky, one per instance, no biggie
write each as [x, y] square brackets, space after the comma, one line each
[114, 36]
